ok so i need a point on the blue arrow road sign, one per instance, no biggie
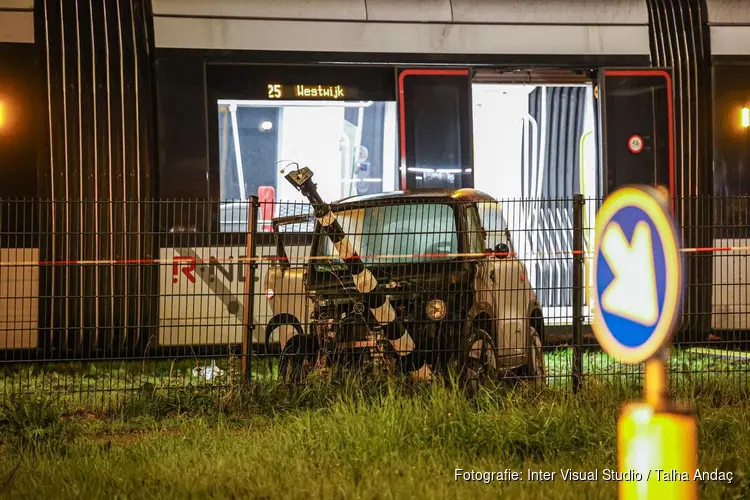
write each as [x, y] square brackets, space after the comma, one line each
[637, 274]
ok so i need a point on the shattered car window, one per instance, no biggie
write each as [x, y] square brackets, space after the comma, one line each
[421, 232]
[493, 221]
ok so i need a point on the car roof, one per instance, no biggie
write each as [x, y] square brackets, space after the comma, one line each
[433, 195]
[465, 194]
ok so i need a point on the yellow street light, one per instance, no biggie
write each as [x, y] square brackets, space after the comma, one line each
[745, 117]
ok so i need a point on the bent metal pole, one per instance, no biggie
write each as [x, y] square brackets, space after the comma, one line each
[372, 293]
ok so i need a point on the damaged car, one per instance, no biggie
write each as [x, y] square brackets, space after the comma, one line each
[416, 282]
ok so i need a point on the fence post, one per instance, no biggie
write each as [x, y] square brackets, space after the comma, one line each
[578, 207]
[249, 318]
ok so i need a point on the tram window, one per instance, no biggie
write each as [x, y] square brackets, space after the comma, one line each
[437, 130]
[349, 145]
[437, 143]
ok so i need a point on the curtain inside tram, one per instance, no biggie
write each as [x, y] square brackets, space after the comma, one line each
[561, 121]
[559, 113]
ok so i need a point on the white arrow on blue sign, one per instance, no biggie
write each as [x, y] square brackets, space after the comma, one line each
[637, 274]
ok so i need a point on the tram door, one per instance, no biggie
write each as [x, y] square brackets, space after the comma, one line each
[535, 148]
[435, 128]
[637, 128]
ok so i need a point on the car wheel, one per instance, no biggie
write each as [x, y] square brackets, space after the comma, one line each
[535, 370]
[298, 358]
[480, 360]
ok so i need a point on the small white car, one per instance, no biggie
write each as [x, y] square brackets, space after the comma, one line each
[446, 263]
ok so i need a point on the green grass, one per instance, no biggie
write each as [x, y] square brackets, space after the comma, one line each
[686, 366]
[375, 438]
[106, 383]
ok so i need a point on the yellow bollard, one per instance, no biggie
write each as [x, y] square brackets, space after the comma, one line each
[657, 453]
[656, 442]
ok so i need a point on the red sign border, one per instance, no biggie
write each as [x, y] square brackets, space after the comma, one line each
[634, 151]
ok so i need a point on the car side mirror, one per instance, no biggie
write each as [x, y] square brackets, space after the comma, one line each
[502, 249]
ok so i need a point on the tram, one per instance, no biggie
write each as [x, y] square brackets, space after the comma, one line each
[116, 114]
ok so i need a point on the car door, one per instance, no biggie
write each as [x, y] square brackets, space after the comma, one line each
[284, 284]
[503, 284]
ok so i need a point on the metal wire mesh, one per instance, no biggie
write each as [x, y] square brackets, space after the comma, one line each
[207, 296]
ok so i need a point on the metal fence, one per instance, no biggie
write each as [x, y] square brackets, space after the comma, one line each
[99, 300]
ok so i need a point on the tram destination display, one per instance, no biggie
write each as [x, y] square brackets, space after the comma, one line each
[305, 91]
[301, 83]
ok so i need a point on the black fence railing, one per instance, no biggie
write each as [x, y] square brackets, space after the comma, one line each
[102, 299]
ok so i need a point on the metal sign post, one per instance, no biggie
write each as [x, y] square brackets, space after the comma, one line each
[248, 320]
[638, 287]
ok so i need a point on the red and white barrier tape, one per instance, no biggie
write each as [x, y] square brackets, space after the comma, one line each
[235, 260]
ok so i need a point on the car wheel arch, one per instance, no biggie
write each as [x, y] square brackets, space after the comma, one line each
[536, 319]
[282, 319]
[481, 316]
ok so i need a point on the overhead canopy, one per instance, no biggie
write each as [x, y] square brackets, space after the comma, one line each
[406, 26]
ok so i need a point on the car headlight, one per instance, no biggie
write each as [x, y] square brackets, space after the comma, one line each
[436, 309]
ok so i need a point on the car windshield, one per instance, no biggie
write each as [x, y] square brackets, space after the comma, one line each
[419, 232]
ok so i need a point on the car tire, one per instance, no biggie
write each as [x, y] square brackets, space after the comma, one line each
[480, 362]
[535, 371]
[298, 358]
